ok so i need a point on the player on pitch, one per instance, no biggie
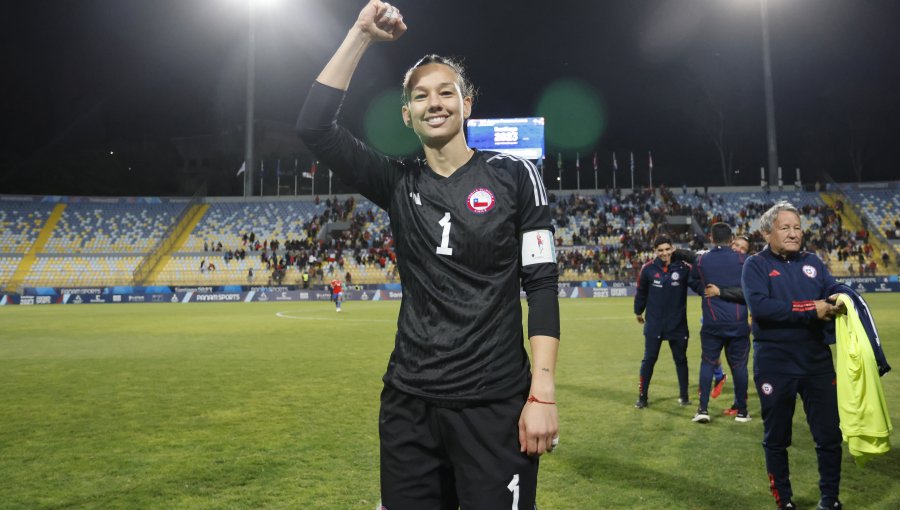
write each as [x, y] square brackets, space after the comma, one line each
[337, 293]
[464, 416]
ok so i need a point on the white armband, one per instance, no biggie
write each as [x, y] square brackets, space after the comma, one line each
[538, 248]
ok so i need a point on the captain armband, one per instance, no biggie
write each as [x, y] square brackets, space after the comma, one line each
[538, 248]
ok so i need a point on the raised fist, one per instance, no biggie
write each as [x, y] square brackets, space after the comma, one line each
[381, 21]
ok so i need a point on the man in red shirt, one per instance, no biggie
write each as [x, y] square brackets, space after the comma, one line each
[337, 294]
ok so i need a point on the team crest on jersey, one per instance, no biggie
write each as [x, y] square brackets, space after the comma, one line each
[809, 271]
[675, 276]
[767, 388]
[480, 201]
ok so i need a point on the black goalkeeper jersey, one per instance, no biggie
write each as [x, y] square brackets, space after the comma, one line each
[459, 246]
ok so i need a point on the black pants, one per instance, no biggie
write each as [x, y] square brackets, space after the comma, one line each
[778, 396]
[651, 353]
[440, 458]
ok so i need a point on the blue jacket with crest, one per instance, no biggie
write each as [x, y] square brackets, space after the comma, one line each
[662, 293]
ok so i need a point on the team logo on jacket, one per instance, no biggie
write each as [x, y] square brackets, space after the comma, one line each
[809, 271]
[767, 388]
[675, 276]
[480, 201]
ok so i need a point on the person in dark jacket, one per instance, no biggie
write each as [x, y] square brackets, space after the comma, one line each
[790, 294]
[740, 244]
[662, 294]
[724, 323]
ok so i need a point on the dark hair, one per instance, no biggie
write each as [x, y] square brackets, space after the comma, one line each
[663, 239]
[721, 233]
[462, 79]
[745, 237]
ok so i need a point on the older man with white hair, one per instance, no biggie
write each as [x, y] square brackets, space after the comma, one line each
[791, 294]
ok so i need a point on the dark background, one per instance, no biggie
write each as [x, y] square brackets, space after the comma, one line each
[680, 78]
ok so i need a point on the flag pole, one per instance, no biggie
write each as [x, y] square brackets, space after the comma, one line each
[241, 170]
[578, 171]
[615, 169]
[559, 170]
[632, 171]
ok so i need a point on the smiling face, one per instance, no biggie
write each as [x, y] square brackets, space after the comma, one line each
[786, 235]
[436, 110]
[664, 252]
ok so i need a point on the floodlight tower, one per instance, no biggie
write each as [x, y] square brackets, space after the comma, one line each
[771, 140]
[252, 7]
[249, 121]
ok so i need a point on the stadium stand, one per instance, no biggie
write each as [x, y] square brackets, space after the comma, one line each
[82, 271]
[279, 239]
[598, 235]
[615, 240]
[20, 224]
[8, 265]
[881, 208]
[227, 222]
[97, 228]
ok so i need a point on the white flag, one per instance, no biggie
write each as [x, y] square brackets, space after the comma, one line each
[243, 168]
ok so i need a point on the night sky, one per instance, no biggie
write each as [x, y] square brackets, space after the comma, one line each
[86, 77]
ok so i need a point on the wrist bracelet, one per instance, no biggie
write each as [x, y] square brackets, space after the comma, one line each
[534, 399]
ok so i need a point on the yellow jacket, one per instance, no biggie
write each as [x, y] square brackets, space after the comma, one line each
[865, 422]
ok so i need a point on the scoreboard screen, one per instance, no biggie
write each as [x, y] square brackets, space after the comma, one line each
[522, 137]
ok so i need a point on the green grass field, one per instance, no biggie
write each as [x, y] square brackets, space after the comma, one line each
[233, 406]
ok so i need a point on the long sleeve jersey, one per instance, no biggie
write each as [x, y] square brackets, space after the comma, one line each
[722, 267]
[865, 420]
[788, 337]
[868, 323]
[465, 246]
[662, 293]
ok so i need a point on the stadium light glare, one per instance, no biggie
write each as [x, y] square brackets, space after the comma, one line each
[253, 3]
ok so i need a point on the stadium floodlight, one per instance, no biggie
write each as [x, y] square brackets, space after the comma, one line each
[771, 141]
[770, 98]
[252, 7]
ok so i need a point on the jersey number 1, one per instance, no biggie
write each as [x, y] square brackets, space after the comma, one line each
[514, 488]
[444, 248]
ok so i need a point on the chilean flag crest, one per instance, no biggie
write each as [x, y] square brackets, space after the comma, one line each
[480, 201]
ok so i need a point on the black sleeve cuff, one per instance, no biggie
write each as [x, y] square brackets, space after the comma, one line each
[732, 294]
[543, 312]
[321, 108]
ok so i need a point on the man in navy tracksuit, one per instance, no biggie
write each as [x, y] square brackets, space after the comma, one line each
[788, 292]
[724, 323]
[662, 293]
